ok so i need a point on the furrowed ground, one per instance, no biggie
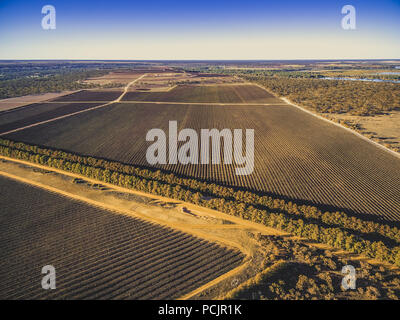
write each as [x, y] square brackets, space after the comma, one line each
[298, 159]
[24, 116]
[98, 254]
[208, 94]
[86, 95]
[269, 253]
[297, 156]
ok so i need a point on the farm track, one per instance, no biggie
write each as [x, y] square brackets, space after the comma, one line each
[40, 114]
[40, 117]
[172, 102]
[241, 224]
[297, 156]
[98, 254]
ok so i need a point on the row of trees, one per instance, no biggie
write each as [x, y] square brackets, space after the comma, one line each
[335, 229]
[307, 212]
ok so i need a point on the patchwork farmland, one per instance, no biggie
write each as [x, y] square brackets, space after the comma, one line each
[98, 254]
[115, 230]
[297, 156]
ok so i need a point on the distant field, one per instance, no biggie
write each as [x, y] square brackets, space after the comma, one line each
[11, 103]
[206, 94]
[97, 254]
[114, 77]
[37, 112]
[297, 156]
[88, 95]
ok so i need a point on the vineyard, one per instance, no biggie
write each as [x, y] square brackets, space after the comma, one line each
[337, 229]
[24, 116]
[297, 156]
[97, 254]
[87, 95]
[311, 178]
[206, 94]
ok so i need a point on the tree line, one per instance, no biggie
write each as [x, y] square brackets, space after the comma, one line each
[51, 83]
[334, 96]
[336, 229]
[309, 89]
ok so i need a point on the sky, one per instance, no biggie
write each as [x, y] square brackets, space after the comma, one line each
[200, 30]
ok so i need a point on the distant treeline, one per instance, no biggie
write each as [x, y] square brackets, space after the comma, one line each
[335, 96]
[51, 83]
[309, 89]
[23, 78]
[358, 73]
[337, 229]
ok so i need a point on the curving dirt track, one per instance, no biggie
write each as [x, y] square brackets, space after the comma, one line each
[297, 156]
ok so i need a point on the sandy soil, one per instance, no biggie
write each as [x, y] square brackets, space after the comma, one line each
[11, 103]
[200, 222]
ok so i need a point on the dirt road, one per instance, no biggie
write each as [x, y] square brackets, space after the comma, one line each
[78, 112]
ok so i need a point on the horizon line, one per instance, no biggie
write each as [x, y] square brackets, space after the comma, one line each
[189, 60]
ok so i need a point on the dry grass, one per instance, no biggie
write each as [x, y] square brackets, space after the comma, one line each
[382, 128]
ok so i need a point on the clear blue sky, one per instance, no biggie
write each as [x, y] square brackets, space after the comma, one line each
[228, 29]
